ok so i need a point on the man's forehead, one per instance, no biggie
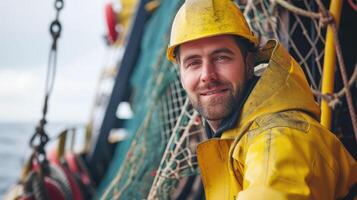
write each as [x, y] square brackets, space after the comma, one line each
[208, 46]
[209, 41]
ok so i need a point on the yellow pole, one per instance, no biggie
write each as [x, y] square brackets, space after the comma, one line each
[329, 64]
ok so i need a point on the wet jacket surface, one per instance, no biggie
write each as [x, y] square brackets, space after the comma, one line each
[278, 149]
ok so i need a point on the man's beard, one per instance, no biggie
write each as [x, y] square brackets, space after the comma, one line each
[217, 108]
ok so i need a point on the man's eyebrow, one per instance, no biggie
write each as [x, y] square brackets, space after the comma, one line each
[222, 50]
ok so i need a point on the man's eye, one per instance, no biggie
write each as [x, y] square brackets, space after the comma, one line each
[193, 64]
[221, 58]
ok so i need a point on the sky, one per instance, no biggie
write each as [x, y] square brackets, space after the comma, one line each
[24, 47]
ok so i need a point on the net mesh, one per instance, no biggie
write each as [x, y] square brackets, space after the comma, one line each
[179, 159]
[270, 20]
[165, 129]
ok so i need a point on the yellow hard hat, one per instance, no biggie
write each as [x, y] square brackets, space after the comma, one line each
[198, 19]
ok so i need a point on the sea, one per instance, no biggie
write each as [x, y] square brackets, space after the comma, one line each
[15, 149]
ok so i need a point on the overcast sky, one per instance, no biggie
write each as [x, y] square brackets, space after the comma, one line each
[24, 47]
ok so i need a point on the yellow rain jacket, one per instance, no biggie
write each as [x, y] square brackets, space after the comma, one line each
[278, 149]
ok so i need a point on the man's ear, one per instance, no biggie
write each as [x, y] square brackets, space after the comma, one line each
[249, 64]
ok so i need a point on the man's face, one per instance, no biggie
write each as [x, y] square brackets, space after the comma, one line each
[213, 73]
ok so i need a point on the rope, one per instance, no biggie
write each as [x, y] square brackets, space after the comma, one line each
[341, 65]
[345, 79]
[175, 148]
[350, 83]
[297, 10]
[327, 19]
[334, 99]
[38, 186]
[353, 5]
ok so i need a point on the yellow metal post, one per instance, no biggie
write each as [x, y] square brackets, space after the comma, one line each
[329, 64]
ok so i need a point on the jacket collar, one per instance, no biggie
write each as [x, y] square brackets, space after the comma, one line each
[281, 87]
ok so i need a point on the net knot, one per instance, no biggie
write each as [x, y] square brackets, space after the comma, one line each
[326, 18]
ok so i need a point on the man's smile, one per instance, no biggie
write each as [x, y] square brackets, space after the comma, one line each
[214, 92]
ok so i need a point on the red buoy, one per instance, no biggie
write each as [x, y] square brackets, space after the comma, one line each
[111, 20]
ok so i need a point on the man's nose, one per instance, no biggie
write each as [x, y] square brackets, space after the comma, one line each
[208, 73]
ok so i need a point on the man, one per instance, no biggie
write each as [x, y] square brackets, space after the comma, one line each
[266, 141]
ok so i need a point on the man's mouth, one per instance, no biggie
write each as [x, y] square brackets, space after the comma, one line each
[216, 91]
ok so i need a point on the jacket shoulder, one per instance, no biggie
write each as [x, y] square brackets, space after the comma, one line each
[288, 119]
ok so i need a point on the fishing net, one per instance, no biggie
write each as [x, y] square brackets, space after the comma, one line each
[302, 26]
[269, 20]
[159, 153]
[160, 106]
